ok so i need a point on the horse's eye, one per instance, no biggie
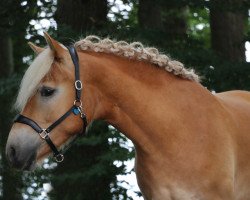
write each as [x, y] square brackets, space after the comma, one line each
[46, 91]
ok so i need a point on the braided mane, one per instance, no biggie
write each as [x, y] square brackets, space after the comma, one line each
[136, 51]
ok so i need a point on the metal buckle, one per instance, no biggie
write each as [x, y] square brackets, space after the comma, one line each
[59, 157]
[78, 103]
[78, 84]
[44, 134]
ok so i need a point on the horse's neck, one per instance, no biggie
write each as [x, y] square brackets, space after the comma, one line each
[147, 104]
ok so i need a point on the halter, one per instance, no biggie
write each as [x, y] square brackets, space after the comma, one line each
[76, 109]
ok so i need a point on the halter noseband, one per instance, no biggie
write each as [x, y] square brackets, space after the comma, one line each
[76, 109]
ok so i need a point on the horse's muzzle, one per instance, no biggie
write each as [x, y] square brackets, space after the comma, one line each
[20, 159]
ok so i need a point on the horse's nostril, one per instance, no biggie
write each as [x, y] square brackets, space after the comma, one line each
[12, 153]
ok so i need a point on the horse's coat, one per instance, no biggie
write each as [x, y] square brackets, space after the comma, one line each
[190, 144]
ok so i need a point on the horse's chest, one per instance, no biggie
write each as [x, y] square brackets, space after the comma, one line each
[153, 188]
[175, 193]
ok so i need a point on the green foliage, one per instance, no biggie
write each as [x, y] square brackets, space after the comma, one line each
[124, 18]
[198, 25]
[33, 183]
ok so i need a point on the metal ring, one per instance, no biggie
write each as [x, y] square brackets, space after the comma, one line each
[78, 103]
[44, 134]
[78, 84]
[59, 157]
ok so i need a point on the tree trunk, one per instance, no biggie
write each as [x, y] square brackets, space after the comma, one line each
[167, 17]
[175, 21]
[227, 29]
[82, 15]
[149, 14]
[6, 56]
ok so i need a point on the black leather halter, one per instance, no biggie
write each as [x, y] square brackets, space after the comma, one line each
[76, 109]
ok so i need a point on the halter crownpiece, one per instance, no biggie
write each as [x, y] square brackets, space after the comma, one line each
[76, 109]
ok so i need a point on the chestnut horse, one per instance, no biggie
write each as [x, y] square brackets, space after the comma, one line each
[190, 144]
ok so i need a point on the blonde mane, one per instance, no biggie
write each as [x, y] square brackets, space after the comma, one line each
[42, 63]
[33, 76]
[136, 51]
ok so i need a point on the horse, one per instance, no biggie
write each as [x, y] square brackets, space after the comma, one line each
[190, 143]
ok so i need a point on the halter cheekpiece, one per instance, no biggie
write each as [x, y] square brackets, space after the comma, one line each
[76, 109]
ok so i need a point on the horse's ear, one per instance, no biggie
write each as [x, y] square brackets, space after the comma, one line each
[35, 48]
[58, 49]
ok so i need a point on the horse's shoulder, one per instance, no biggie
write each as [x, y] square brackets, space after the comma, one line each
[234, 95]
[236, 101]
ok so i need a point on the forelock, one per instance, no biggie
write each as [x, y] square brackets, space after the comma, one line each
[33, 76]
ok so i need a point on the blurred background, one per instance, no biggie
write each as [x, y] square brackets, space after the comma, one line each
[211, 36]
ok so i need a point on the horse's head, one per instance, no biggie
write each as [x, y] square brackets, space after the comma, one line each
[47, 92]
